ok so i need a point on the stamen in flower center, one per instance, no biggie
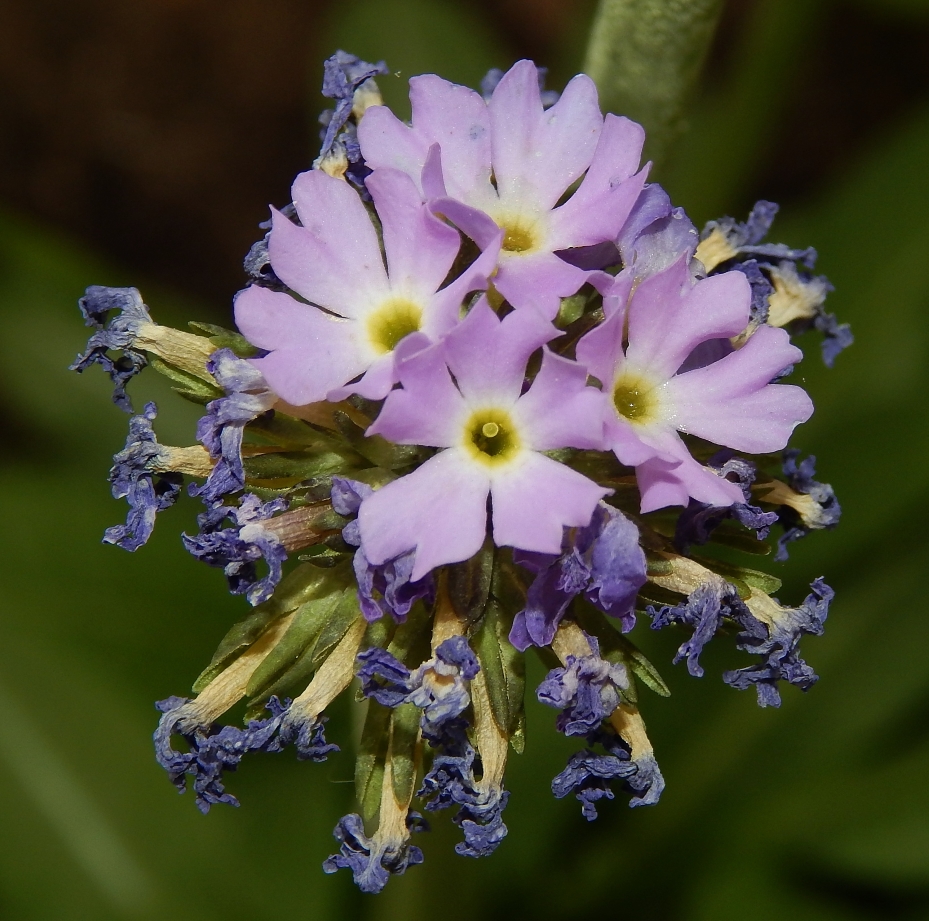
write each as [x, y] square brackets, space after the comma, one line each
[520, 235]
[635, 399]
[490, 436]
[392, 322]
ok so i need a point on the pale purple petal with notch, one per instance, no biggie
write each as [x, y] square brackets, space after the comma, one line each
[311, 352]
[662, 485]
[616, 159]
[445, 311]
[334, 259]
[669, 316]
[596, 218]
[488, 356]
[559, 410]
[479, 226]
[387, 142]
[732, 401]
[538, 153]
[601, 350]
[539, 279]
[455, 117]
[439, 510]
[429, 410]
[420, 248]
[534, 500]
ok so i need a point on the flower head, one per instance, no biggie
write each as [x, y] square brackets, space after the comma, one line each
[363, 310]
[506, 164]
[493, 436]
[648, 398]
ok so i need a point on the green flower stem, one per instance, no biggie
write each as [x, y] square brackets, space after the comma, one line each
[645, 56]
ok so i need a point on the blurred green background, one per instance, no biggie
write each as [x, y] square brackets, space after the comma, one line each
[141, 145]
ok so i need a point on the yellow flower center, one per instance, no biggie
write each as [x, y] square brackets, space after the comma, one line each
[490, 437]
[521, 234]
[393, 321]
[635, 399]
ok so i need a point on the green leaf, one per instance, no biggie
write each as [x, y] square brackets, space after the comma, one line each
[294, 465]
[378, 450]
[504, 668]
[288, 431]
[404, 734]
[369, 762]
[469, 584]
[240, 636]
[742, 577]
[410, 643]
[508, 582]
[618, 648]
[224, 338]
[294, 646]
[297, 587]
[188, 386]
[343, 616]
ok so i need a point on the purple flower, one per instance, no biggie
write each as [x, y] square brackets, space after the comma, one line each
[586, 690]
[505, 164]
[334, 261]
[809, 506]
[785, 292]
[237, 549]
[116, 334]
[774, 632]
[648, 398]
[439, 687]
[135, 477]
[655, 235]
[451, 782]
[222, 428]
[588, 774]
[343, 75]
[388, 587]
[704, 610]
[698, 521]
[373, 859]
[603, 560]
[214, 750]
[493, 435]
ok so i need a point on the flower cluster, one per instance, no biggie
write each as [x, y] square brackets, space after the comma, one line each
[489, 387]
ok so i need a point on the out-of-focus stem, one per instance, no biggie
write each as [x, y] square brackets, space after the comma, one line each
[645, 56]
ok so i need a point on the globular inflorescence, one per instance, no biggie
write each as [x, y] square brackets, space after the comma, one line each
[491, 394]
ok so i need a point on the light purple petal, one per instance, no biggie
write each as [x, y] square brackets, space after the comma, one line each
[386, 142]
[669, 316]
[535, 499]
[334, 260]
[559, 410]
[595, 218]
[456, 118]
[601, 350]
[429, 410]
[619, 150]
[732, 401]
[420, 248]
[662, 484]
[445, 310]
[537, 154]
[311, 352]
[439, 510]
[541, 279]
[479, 226]
[375, 385]
[624, 440]
[488, 356]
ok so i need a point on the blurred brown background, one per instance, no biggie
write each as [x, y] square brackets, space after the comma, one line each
[158, 131]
